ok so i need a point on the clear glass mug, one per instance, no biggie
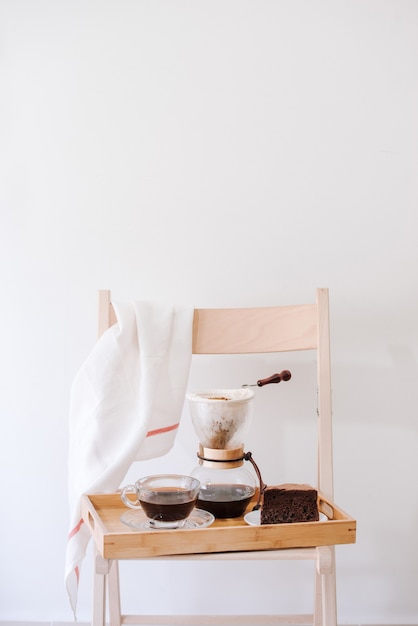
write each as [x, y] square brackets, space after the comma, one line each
[166, 499]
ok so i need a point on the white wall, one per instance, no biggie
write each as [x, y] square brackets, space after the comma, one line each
[218, 154]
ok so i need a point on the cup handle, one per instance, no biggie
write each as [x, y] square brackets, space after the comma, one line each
[126, 500]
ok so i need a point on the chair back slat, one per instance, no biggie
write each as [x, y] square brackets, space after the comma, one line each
[255, 330]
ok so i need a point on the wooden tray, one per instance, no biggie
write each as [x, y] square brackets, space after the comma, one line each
[116, 540]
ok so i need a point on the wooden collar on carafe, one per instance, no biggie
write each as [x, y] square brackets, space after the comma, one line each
[221, 459]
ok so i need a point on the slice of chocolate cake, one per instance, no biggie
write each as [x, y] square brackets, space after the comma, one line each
[288, 503]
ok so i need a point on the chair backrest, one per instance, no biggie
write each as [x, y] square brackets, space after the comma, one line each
[264, 330]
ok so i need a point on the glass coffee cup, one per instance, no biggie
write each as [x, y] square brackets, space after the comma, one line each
[166, 499]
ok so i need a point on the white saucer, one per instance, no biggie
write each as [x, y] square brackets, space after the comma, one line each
[253, 518]
[138, 520]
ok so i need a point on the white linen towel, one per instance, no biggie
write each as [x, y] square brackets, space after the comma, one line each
[126, 403]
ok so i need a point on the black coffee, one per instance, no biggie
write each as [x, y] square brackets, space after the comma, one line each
[225, 500]
[173, 509]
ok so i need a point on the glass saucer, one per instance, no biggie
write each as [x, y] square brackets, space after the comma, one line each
[138, 520]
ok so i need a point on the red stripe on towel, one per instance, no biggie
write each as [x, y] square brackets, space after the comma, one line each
[75, 530]
[159, 431]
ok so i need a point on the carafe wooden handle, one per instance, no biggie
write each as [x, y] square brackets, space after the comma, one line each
[275, 378]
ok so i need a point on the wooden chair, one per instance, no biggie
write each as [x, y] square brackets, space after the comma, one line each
[239, 331]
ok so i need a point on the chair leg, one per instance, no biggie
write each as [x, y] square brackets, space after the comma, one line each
[325, 611]
[318, 599]
[99, 591]
[329, 594]
[114, 594]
